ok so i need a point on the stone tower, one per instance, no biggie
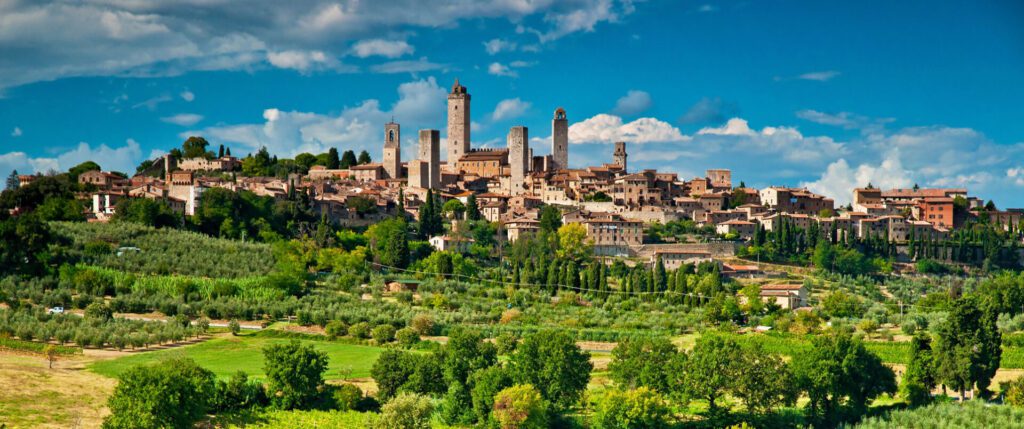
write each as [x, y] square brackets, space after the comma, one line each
[393, 150]
[559, 140]
[619, 157]
[458, 123]
[430, 153]
[518, 158]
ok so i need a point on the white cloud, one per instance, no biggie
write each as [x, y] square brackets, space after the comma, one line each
[183, 119]
[839, 179]
[495, 46]
[16, 132]
[123, 159]
[499, 69]
[153, 102]
[634, 102]
[706, 8]
[303, 61]
[166, 37]
[735, 127]
[287, 133]
[820, 76]
[1016, 174]
[605, 128]
[509, 109]
[382, 48]
[187, 95]
[845, 120]
[407, 66]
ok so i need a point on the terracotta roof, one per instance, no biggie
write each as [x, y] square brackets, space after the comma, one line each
[781, 287]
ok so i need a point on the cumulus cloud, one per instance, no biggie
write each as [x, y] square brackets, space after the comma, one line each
[820, 76]
[839, 179]
[509, 109]
[160, 37]
[16, 132]
[605, 128]
[634, 102]
[709, 111]
[183, 119]
[187, 96]
[286, 133]
[845, 120]
[382, 48]
[123, 158]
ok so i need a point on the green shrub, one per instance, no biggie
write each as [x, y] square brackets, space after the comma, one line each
[640, 408]
[336, 328]
[406, 411]
[383, 334]
[407, 337]
[360, 330]
[520, 407]
[346, 397]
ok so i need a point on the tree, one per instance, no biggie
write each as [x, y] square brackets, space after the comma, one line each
[550, 218]
[13, 182]
[919, 378]
[391, 371]
[348, 159]
[238, 393]
[171, 394]
[295, 373]
[430, 216]
[553, 363]
[453, 209]
[486, 385]
[333, 163]
[968, 351]
[364, 158]
[50, 351]
[711, 369]
[406, 411]
[520, 407]
[24, 243]
[77, 170]
[147, 212]
[472, 208]
[573, 243]
[195, 147]
[640, 408]
[389, 242]
[234, 327]
[643, 362]
[839, 370]
[57, 208]
[764, 381]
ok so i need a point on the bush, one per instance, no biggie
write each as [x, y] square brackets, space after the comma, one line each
[234, 327]
[520, 407]
[336, 328]
[407, 337]
[406, 411]
[506, 343]
[1013, 392]
[170, 394]
[239, 393]
[295, 373]
[383, 334]
[640, 408]
[98, 311]
[360, 330]
[423, 324]
[347, 397]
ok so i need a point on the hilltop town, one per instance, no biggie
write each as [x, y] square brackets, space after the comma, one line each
[509, 185]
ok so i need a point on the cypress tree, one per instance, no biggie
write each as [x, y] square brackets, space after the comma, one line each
[472, 209]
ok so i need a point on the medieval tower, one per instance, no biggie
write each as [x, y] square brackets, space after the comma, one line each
[518, 158]
[560, 140]
[619, 157]
[430, 153]
[458, 123]
[392, 150]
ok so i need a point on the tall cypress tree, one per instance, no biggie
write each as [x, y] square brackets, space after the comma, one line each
[472, 209]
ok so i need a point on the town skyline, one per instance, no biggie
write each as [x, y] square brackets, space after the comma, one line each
[800, 120]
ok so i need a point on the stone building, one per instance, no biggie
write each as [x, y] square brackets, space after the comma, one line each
[518, 158]
[392, 150]
[559, 141]
[458, 123]
[619, 156]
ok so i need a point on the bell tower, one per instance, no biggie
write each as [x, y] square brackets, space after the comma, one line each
[560, 140]
[393, 150]
[458, 123]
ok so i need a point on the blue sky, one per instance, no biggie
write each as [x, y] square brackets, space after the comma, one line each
[828, 95]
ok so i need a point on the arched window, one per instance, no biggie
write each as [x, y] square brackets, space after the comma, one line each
[391, 135]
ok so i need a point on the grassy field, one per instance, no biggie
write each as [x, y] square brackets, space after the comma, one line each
[35, 396]
[225, 355]
[298, 419]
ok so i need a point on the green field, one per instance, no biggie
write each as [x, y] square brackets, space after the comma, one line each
[299, 419]
[226, 355]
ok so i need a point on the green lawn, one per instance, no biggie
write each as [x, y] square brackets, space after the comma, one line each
[226, 355]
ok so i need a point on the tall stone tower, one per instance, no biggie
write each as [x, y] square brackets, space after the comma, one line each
[619, 157]
[518, 158]
[430, 152]
[560, 140]
[458, 123]
[393, 150]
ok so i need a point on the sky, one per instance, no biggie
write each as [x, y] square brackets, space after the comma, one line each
[823, 95]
